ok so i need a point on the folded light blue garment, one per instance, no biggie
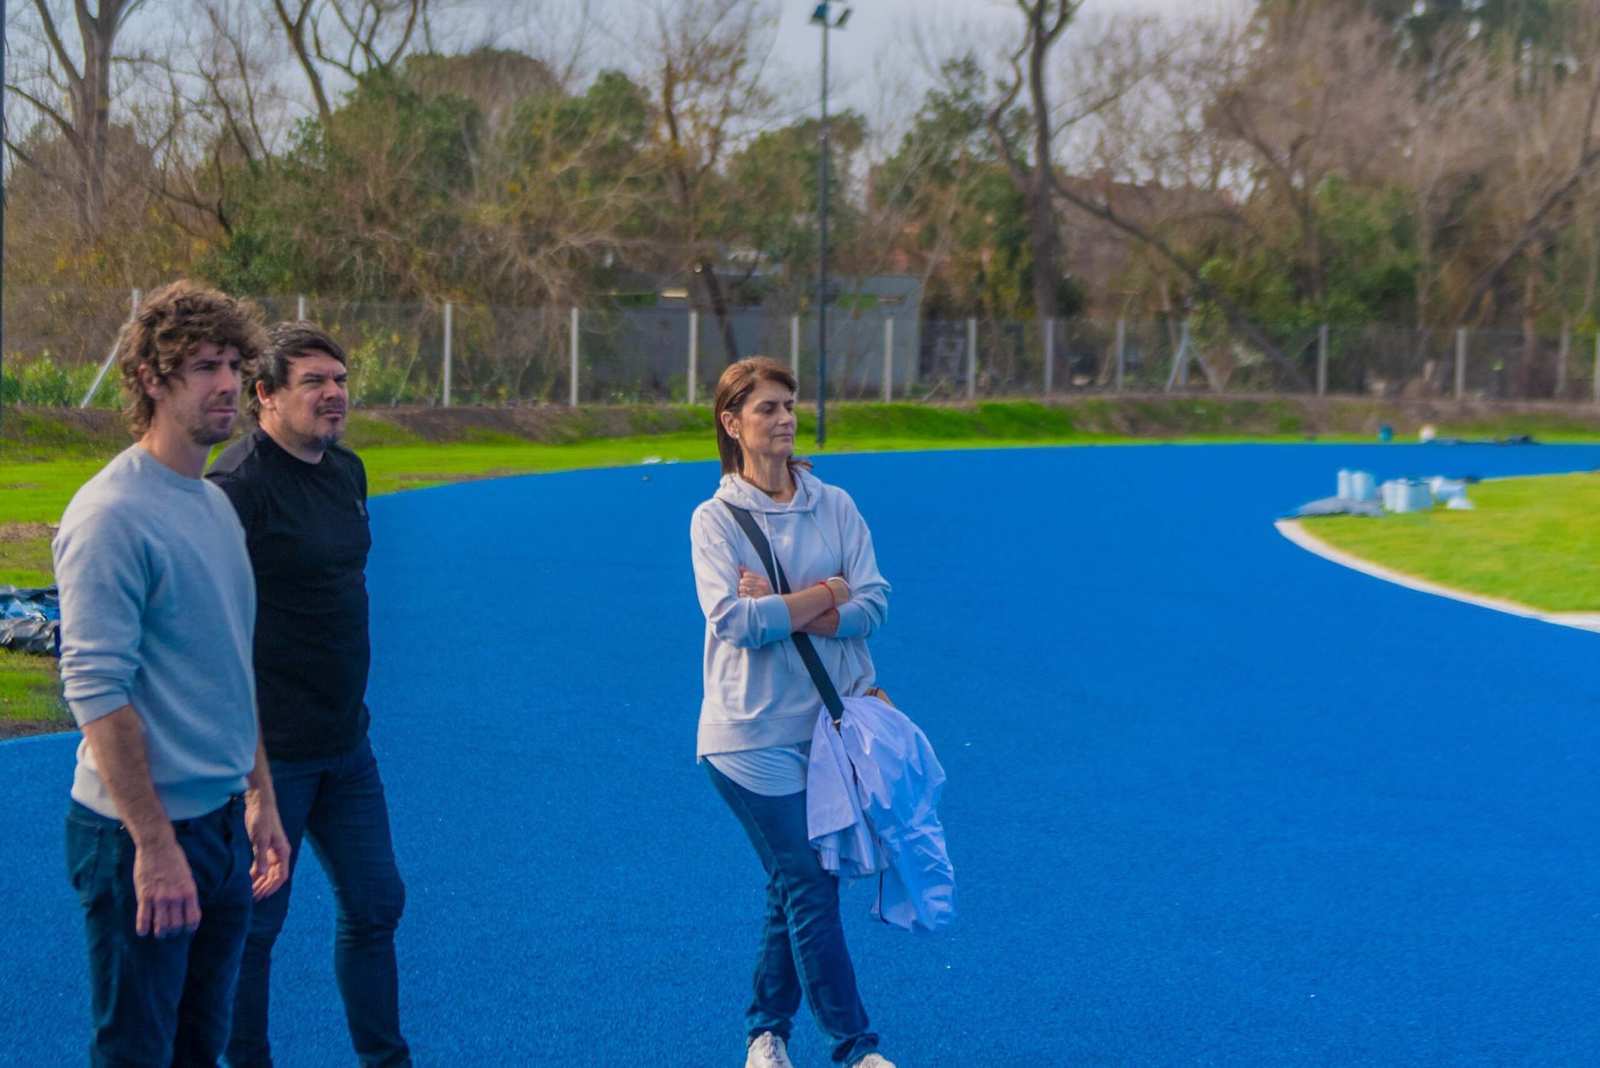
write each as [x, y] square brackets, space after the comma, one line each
[872, 796]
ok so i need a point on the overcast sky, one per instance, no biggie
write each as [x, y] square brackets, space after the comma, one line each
[878, 63]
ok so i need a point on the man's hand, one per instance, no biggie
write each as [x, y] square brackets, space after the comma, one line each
[163, 887]
[840, 590]
[270, 846]
[752, 584]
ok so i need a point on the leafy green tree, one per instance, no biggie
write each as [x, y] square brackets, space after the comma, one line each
[364, 204]
[958, 211]
[772, 189]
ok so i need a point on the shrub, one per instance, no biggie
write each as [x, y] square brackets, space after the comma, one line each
[43, 383]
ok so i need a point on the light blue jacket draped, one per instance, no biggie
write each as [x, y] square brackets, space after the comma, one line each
[872, 796]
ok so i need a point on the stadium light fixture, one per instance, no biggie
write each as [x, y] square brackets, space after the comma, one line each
[830, 15]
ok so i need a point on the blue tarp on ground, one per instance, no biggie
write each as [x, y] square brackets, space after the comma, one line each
[30, 620]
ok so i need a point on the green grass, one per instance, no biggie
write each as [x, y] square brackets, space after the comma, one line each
[1532, 540]
[38, 492]
[25, 562]
[29, 695]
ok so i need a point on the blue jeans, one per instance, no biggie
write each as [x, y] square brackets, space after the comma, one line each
[161, 1001]
[802, 942]
[338, 803]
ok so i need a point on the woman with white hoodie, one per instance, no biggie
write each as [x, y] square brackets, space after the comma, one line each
[760, 703]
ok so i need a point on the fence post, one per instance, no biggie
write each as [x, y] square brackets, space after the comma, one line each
[794, 351]
[572, 347]
[1461, 362]
[1179, 375]
[1561, 360]
[972, 358]
[447, 338]
[1122, 350]
[1597, 368]
[1049, 356]
[300, 307]
[1322, 360]
[572, 368]
[100, 375]
[888, 359]
[694, 351]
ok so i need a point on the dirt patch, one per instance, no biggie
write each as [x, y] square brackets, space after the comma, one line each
[24, 728]
[71, 426]
[13, 532]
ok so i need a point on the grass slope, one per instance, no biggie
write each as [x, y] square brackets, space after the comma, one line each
[1534, 540]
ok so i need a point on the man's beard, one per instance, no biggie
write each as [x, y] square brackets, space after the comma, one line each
[206, 434]
[324, 442]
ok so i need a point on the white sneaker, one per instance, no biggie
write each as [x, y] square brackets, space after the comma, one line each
[874, 1060]
[767, 1051]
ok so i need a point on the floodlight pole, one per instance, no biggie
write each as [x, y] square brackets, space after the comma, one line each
[829, 14]
[822, 246]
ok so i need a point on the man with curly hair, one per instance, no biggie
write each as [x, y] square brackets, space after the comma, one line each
[173, 825]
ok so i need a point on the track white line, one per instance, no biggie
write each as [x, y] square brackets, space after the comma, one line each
[1296, 532]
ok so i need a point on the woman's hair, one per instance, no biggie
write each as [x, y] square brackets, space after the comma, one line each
[287, 342]
[171, 324]
[733, 389]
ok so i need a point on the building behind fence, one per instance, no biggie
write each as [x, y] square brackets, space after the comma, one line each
[57, 343]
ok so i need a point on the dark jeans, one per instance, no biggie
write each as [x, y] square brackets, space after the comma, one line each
[338, 803]
[161, 1001]
[802, 941]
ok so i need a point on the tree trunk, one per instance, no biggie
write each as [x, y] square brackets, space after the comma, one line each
[1045, 245]
[1044, 237]
[1529, 372]
[94, 103]
[87, 131]
[705, 272]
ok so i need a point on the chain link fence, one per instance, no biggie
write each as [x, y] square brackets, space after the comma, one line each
[57, 343]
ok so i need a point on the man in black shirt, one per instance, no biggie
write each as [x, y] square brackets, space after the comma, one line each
[302, 499]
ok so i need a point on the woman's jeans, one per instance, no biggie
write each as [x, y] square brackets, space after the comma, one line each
[802, 945]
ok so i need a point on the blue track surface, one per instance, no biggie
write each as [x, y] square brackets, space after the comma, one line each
[1212, 800]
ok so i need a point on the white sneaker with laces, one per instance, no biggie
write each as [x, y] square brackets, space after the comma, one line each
[874, 1060]
[767, 1051]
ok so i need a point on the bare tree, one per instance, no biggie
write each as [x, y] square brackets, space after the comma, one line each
[348, 36]
[221, 116]
[1556, 157]
[1319, 97]
[705, 73]
[296, 19]
[71, 90]
[1045, 22]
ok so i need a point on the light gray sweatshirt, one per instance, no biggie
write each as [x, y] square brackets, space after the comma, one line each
[757, 690]
[158, 610]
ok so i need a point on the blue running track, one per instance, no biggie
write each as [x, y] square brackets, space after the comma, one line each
[1212, 799]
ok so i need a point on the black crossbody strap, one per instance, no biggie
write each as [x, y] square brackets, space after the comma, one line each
[780, 582]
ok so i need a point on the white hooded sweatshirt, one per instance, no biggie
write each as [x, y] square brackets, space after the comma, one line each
[757, 690]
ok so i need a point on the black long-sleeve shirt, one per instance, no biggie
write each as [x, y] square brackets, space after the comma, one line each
[306, 529]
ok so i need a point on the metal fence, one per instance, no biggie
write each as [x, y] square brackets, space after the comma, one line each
[57, 344]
